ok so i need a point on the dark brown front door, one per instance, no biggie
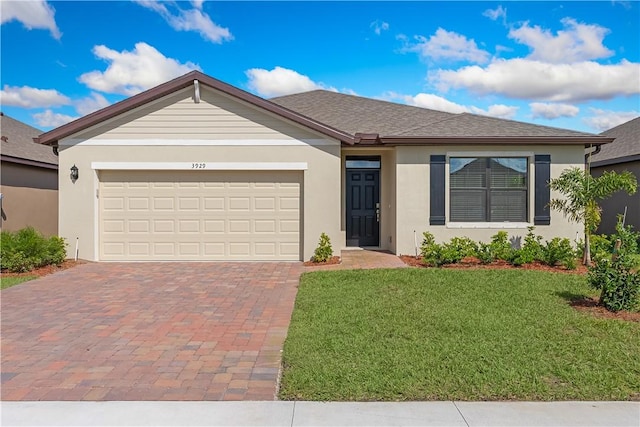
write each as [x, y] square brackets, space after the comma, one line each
[363, 207]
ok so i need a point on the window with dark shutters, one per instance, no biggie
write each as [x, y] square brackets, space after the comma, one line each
[488, 189]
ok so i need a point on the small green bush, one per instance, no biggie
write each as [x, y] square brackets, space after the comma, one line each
[484, 253]
[601, 247]
[531, 250]
[629, 238]
[500, 246]
[619, 284]
[464, 246]
[27, 249]
[559, 251]
[324, 251]
[431, 251]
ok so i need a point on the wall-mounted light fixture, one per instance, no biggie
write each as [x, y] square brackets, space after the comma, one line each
[74, 174]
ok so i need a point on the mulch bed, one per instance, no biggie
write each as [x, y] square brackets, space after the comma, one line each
[330, 261]
[586, 304]
[472, 262]
[47, 269]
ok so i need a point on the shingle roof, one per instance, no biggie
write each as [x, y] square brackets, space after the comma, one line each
[355, 114]
[17, 142]
[353, 119]
[626, 146]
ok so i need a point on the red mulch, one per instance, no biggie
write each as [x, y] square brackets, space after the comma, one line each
[586, 304]
[330, 261]
[47, 269]
[590, 305]
[474, 263]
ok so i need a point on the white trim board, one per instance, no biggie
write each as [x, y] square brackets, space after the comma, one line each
[198, 142]
[202, 165]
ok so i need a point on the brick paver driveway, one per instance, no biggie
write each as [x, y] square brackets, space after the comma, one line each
[148, 331]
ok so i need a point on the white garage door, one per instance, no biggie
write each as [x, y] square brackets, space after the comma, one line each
[199, 215]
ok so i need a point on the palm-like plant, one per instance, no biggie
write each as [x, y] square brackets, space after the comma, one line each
[583, 192]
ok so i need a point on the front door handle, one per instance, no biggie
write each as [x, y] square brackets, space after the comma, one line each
[378, 212]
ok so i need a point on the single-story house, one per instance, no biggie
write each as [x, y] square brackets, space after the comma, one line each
[622, 155]
[196, 169]
[28, 181]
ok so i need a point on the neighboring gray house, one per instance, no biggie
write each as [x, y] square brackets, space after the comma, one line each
[623, 154]
[196, 169]
[28, 181]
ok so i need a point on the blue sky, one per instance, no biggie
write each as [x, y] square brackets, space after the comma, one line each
[566, 64]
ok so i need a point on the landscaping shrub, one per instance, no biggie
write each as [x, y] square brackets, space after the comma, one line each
[500, 246]
[27, 249]
[324, 251]
[464, 246]
[619, 284]
[559, 251]
[531, 250]
[629, 239]
[484, 253]
[554, 252]
[601, 246]
[431, 251]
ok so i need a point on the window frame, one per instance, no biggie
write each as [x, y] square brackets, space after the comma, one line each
[487, 189]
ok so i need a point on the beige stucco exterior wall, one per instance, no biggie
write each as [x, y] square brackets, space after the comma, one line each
[270, 141]
[412, 191]
[30, 198]
[614, 206]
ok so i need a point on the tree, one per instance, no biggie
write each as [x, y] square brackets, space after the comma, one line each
[583, 192]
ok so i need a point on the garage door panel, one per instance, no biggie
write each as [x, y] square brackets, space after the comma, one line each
[199, 215]
[189, 203]
[214, 226]
[139, 225]
[214, 204]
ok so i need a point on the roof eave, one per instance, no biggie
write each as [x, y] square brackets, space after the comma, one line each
[615, 161]
[53, 136]
[585, 141]
[28, 162]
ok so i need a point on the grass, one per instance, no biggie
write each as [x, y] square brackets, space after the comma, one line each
[7, 282]
[434, 334]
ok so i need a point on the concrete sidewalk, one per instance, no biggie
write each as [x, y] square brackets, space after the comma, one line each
[293, 414]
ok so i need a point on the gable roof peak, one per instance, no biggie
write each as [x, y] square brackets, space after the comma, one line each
[53, 136]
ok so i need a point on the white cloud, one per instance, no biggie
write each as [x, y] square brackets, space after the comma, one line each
[448, 45]
[32, 14]
[379, 27]
[50, 119]
[500, 111]
[435, 102]
[577, 42]
[527, 79]
[132, 72]
[281, 81]
[602, 120]
[93, 102]
[494, 14]
[189, 20]
[553, 111]
[29, 97]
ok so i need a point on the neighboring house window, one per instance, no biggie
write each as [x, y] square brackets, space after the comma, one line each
[488, 189]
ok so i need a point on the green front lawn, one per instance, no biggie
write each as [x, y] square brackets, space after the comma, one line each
[437, 334]
[7, 282]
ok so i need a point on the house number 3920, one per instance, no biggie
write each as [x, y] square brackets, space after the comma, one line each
[198, 165]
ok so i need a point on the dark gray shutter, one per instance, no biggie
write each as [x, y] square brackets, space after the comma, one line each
[436, 190]
[542, 191]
